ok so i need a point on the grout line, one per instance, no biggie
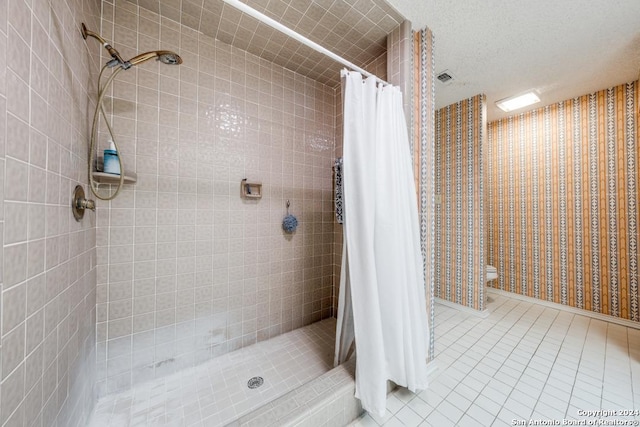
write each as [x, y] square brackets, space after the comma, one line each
[533, 331]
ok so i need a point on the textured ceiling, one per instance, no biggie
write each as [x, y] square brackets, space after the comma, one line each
[562, 49]
[356, 30]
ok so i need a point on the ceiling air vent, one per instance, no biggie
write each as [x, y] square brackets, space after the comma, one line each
[445, 77]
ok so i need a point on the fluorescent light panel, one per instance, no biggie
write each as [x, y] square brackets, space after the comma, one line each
[515, 102]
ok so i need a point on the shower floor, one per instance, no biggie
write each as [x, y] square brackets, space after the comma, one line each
[216, 392]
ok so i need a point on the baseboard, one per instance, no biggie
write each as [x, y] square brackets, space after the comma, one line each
[569, 309]
[482, 314]
[432, 368]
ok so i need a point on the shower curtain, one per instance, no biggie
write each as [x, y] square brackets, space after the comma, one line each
[382, 304]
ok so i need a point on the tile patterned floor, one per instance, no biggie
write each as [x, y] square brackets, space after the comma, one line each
[216, 392]
[522, 362]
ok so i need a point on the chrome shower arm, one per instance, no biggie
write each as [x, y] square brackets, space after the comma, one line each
[112, 51]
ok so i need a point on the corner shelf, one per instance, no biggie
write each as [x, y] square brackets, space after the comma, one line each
[110, 178]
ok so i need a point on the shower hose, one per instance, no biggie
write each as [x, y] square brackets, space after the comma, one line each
[102, 90]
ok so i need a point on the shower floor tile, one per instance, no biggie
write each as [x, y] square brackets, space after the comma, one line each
[216, 392]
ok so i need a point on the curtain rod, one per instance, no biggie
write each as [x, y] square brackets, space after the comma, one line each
[302, 39]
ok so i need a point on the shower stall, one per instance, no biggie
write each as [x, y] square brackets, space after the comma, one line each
[193, 277]
[188, 269]
[179, 288]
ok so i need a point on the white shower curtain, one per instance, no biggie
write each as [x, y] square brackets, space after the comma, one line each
[382, 297]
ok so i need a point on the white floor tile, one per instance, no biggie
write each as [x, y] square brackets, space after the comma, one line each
[393, 422]
[432, 399]
[409, 417]
[459, 401]
[420, 407]
[437, 418]
[381, 420]
[450, 411]
[393, 404]
[536, 362]
[484, 417]
[404, 395]
[468, 421]
[364, 421]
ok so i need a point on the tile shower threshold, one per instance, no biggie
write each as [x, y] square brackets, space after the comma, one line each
[226, 388]
[325, 401]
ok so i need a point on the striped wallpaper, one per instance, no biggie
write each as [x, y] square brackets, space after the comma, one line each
[562, 194]
[459, 264]
[423, 157]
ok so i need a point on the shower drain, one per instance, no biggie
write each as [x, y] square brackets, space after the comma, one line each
[255, 382]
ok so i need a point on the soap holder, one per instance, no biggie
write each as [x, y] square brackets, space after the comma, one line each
[250, 190]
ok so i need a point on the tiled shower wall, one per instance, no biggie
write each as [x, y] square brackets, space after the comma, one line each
[399, 71]
[186, 268]
[48, 272]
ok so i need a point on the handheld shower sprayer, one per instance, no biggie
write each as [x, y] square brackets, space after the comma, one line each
[116, 61]
[164, 56]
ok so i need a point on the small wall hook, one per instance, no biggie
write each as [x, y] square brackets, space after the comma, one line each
[288, 204]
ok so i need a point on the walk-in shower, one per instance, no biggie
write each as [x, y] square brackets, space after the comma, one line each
[208, 311]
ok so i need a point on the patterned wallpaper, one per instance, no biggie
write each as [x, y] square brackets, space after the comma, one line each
[423, 155]
[459, 265]
[562, 202]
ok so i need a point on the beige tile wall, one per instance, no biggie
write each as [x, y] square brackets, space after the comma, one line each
[48, 270]
[186, 268]
[356, 30]
[399, 71]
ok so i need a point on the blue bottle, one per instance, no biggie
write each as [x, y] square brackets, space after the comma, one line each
[111, 161]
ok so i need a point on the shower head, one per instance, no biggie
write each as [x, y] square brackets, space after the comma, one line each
[169, 58]
[164, 56]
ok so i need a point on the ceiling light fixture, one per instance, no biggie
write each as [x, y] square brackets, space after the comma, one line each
[519, 101]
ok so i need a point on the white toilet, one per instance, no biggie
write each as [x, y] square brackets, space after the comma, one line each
[492, 273]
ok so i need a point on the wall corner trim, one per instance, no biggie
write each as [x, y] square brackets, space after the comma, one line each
[432, 368]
